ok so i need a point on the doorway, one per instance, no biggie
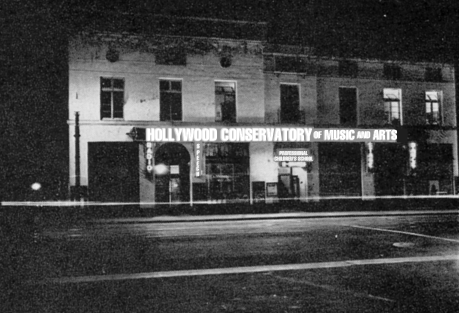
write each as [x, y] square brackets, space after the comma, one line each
[173, 186]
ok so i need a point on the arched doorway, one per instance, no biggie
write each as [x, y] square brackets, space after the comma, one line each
[174, 184]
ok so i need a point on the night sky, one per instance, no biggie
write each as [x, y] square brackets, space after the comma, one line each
[34, 76]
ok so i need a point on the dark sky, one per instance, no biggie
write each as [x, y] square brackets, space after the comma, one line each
[390, 29]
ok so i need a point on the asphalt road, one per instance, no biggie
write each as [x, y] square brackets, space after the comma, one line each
[344, 264]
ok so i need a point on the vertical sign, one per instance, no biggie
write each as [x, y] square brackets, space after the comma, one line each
[198, 159]
[149, 156]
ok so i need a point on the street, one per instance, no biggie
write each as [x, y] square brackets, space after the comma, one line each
[395, 263]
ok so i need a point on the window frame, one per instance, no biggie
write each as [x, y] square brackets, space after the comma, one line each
[112, 89]
[235, 101]
[299, 119]
[391, 101]
[430, 121]
[357, 117]
[170, 91]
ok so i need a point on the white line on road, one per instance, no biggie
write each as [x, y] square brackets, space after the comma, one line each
[249, 269]
[405, 233]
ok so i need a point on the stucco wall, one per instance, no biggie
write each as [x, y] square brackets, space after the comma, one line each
[141, 74]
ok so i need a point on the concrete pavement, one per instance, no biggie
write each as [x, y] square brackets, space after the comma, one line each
[293, 215]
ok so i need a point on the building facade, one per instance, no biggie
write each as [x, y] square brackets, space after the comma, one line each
[121, 83]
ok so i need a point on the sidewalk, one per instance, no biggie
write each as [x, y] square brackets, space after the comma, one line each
[295, 215]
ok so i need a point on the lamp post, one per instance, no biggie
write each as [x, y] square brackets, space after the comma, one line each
[77, 156]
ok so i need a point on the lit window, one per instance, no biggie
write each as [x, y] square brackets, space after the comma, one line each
[170, 100]
[393, 106]
[111, 97]
[433, 116]
[225, 102]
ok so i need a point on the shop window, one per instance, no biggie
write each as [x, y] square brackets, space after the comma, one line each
[290, 104]
[348, 106]
[111, 97]
[225, 102]
[433, 74]
[227, 171]
[433, 112]
[392, 72]
[393, 106]
[340, 169]
[170, 100]
[171, 56]
[347, 68]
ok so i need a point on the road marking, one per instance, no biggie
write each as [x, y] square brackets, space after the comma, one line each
[405, 233]
[248, 269]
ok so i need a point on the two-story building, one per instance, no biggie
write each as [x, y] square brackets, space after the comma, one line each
[120, 83]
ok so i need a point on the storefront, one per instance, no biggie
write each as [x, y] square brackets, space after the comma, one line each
[210, 170]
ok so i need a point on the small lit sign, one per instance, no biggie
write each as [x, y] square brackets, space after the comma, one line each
[412, 146]
[293, 156]
[293, 164]
[370, 156]
[175, 169]
[198, 159]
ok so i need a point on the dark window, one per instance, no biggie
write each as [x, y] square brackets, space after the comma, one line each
[348, 68]
[111, 97]
[290, 104]
[348, 106]
[225, 102]
[171, 56]
[170, 102]
[392, 72]
[433, 74]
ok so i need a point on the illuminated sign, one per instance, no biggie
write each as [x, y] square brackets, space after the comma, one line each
[413, 154]
[370, 156]
[293, 155]
[149, 156]
[198, 159]
[265, 134]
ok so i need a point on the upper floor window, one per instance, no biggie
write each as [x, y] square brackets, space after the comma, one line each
[171, 56]
[170, 100]
[348, 68]
[348, 106]
[225, 102]
[290, 104]
[433, 74]
[111, 97]
[433, 112]
[393, 106]
[392, 71]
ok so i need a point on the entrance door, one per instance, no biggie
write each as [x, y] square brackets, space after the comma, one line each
[173, 186]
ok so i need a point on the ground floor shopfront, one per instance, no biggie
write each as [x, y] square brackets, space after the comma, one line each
[118, 171]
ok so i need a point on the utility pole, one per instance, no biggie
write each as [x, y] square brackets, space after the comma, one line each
[77, 157]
